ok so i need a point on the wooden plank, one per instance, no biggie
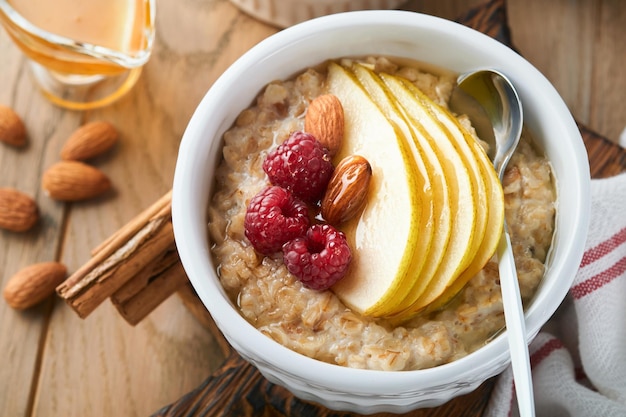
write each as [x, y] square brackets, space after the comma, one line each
[23, 333]
[580, 48]
[608, 85]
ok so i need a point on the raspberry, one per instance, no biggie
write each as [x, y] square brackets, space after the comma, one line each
[274, 216]
[320, 258]
[301, 165]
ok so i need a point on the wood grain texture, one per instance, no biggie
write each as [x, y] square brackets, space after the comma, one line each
[22, 334]
[606, 158]
[581, 51]
[55, 364]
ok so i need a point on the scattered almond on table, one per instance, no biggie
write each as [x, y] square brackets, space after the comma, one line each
[18, 211]
[33, 284]
[74, 181]
[89, 141]
[12, 130]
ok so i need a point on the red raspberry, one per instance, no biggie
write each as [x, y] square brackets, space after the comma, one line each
[301, 165]
[274, 216]
[320, 258]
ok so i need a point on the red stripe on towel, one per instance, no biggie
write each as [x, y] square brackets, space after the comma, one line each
[593, 254]
[599, 280]
[544, 351]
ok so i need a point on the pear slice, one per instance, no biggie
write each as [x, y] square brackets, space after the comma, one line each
[489, 226]
[495, 221]
[462, 245]
[475, 163]
[385, 236]
[436, 215]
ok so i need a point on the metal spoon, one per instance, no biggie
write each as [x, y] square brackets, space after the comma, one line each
[493, 106]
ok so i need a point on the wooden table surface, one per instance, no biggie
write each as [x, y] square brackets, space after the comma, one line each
[55, 364]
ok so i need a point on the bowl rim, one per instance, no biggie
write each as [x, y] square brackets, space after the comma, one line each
[318, 372]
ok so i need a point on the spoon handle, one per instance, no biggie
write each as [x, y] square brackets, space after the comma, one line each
[516, 327]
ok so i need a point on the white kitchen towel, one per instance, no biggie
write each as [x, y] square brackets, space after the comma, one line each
[579, 357]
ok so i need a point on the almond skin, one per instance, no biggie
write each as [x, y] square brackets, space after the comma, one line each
[12, 130]
[74, 181]
[325, 120]
[18, 211]
[346, 194]
[33, 284]
[89, 141]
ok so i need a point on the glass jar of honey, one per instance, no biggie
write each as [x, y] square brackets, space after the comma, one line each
[83, 53]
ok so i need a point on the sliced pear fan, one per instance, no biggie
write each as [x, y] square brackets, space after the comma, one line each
[464, 201]
[436, 208]
[490, 203]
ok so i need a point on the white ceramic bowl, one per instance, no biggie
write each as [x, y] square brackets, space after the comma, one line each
[393, 33]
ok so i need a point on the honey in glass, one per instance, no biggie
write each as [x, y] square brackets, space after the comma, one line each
[83, 53]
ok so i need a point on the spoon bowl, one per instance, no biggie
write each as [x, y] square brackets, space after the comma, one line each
[491, 102]
[493, 105]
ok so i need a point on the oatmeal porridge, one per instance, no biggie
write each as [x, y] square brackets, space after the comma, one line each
[316, 323]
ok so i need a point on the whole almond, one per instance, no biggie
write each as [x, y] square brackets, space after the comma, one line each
[73, 181]
[33, 284]
[347, 190]
[89, 141]
[18, 211]
[325, 120]
[12, 130]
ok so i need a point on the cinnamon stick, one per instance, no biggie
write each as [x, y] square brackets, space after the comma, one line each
[120, 258]
[143, 278]
[158, 288]
[137, 267]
